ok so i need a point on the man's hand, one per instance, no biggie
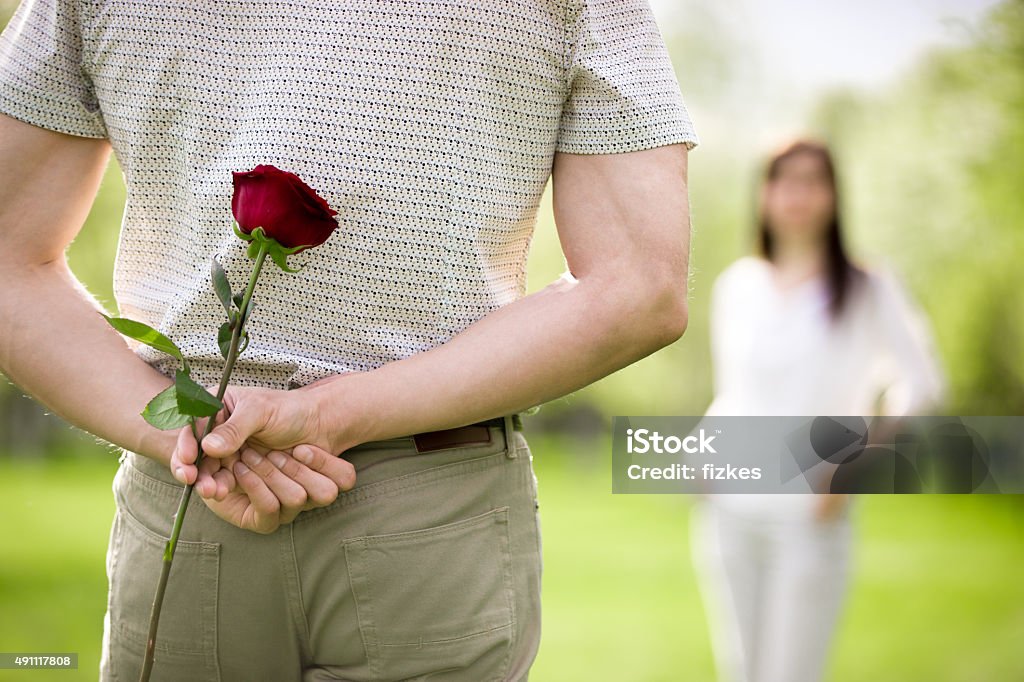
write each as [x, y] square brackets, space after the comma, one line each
[256, 486]
[269, 491]
[264, 417]
[277, 487]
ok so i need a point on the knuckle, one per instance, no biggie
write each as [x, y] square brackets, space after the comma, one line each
[229, 432]
[298, 498]
[347, 479]
[330, 496]
[270, 471]
[326, 494]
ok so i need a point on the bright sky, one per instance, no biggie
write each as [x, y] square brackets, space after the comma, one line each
[825, 42]
[795, 49]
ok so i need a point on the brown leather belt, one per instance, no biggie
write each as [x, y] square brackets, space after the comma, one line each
[479, 432]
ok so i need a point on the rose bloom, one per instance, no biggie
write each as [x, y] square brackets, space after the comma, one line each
[289, 211]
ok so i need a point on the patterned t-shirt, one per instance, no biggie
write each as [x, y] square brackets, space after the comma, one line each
[430, 126]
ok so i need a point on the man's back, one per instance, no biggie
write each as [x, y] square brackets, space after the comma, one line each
[429, 126]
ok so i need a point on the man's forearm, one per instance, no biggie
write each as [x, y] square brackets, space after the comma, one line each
[55, 346]
[538, 348]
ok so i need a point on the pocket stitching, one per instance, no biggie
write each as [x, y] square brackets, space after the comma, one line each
[500, 515]
[208, 574]
[359, 583]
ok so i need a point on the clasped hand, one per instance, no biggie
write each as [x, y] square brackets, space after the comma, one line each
[266, 461]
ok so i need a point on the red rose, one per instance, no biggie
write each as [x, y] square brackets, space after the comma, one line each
[289, 211]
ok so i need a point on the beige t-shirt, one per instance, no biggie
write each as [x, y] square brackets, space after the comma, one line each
[429, 126]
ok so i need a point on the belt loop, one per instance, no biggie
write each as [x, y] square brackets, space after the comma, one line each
[509, 436]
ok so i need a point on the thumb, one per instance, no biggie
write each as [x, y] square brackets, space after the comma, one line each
[247, 419]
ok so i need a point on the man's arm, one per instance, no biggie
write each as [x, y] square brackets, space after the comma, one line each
[623, 222]
[53, 343]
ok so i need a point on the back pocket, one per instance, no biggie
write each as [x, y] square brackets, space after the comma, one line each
[436, 600]
[186, 638]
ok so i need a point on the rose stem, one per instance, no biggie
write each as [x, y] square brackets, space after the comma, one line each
[236, 334]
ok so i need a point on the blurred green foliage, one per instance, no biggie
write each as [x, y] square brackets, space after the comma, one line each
[931, 171]
[934, 171]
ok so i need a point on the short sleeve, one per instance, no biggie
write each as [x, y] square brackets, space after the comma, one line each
[623, 94]
[42, 81]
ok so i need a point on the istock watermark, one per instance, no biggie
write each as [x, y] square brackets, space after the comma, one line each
[642, 441]
[818, 454]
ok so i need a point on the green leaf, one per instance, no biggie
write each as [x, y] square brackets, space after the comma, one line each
[147, 335]
[193, 399]
[224, 339]
[244, 343]
[253, 250]
[162, 411]
[237, 298]
[238, 231]
[221, 285]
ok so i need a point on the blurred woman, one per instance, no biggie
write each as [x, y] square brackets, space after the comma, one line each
[798, 329]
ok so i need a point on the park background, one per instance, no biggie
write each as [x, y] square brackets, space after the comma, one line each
[922, 101]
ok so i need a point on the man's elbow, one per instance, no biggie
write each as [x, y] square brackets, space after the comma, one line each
[639, 313]
[667, 314]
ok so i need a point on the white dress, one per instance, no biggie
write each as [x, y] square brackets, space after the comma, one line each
[774, 352]
[772, 575]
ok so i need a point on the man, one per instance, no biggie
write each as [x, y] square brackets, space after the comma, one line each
[432, 129]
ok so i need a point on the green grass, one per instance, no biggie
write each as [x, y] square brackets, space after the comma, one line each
[53, 540]
[936, 592]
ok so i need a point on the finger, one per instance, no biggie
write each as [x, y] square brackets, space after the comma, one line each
[291, 495]
[215, 479]
[225, 479]
[340, 471]
[206, 485]
[247, 419]
[320, 490]
[264, 506]
[182, 459]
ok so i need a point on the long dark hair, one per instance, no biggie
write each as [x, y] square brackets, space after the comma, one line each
[841, 273]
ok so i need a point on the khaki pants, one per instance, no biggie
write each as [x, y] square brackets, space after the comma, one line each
[429, 568]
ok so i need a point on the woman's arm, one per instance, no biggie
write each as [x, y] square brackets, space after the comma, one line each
[915, 381]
